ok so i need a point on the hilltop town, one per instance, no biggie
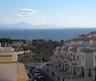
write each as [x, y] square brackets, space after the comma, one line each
[73, 59]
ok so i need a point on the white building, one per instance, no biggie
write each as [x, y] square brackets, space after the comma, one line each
[88, 62]
[71, 62]
[76, 59]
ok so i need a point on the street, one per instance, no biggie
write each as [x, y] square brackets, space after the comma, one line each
[47, 78]
[31, 68]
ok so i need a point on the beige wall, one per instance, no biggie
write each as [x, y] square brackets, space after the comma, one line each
[8, 72]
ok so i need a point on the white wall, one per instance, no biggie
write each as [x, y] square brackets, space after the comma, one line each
[82, 59]
[93, 42]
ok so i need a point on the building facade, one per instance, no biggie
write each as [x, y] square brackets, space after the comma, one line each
[9, 66]
[74, 60]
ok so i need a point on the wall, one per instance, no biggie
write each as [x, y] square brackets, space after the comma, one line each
[8, 72]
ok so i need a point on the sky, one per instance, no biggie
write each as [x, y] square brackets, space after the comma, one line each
[64, 13]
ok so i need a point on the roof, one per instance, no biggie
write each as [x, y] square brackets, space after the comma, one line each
[6, 49]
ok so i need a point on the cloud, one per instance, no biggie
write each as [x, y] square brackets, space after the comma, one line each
[63, 22]
[31, 16]
[26, 12]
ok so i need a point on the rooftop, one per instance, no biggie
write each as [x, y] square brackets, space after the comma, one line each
[6, 49]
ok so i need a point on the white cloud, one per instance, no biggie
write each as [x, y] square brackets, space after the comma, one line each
[28, 16]
[26, 12]
[73, 21]
[33, 17]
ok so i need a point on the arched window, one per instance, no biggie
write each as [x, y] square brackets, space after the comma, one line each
[58, 77]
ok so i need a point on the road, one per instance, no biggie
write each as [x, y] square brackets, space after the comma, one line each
[47, 78]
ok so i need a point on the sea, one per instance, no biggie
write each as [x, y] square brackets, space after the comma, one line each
[52, 34]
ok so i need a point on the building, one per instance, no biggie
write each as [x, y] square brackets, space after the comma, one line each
[88, 63]
[73, 63]
[74, 60]
[9, 66]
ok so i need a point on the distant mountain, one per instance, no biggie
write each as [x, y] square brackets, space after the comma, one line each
[15, 26]
[23, 25]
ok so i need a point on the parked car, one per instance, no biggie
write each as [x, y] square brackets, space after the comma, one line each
[39, 76]
[35, 71]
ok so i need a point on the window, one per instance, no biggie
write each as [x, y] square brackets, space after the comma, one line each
[53, 74]
[89, 73]
[95, 58]
[82, 57]
[47, 70]
[63, 79]
[78, 58]
[74, 57]
[58, 78]
[82, 70]
[74, 70]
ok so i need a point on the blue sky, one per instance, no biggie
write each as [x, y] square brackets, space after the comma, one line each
[65, 13]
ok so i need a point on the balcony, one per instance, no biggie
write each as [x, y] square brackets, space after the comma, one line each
[74, 63]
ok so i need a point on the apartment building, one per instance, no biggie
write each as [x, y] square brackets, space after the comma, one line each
[76, 59]
[88, 62]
